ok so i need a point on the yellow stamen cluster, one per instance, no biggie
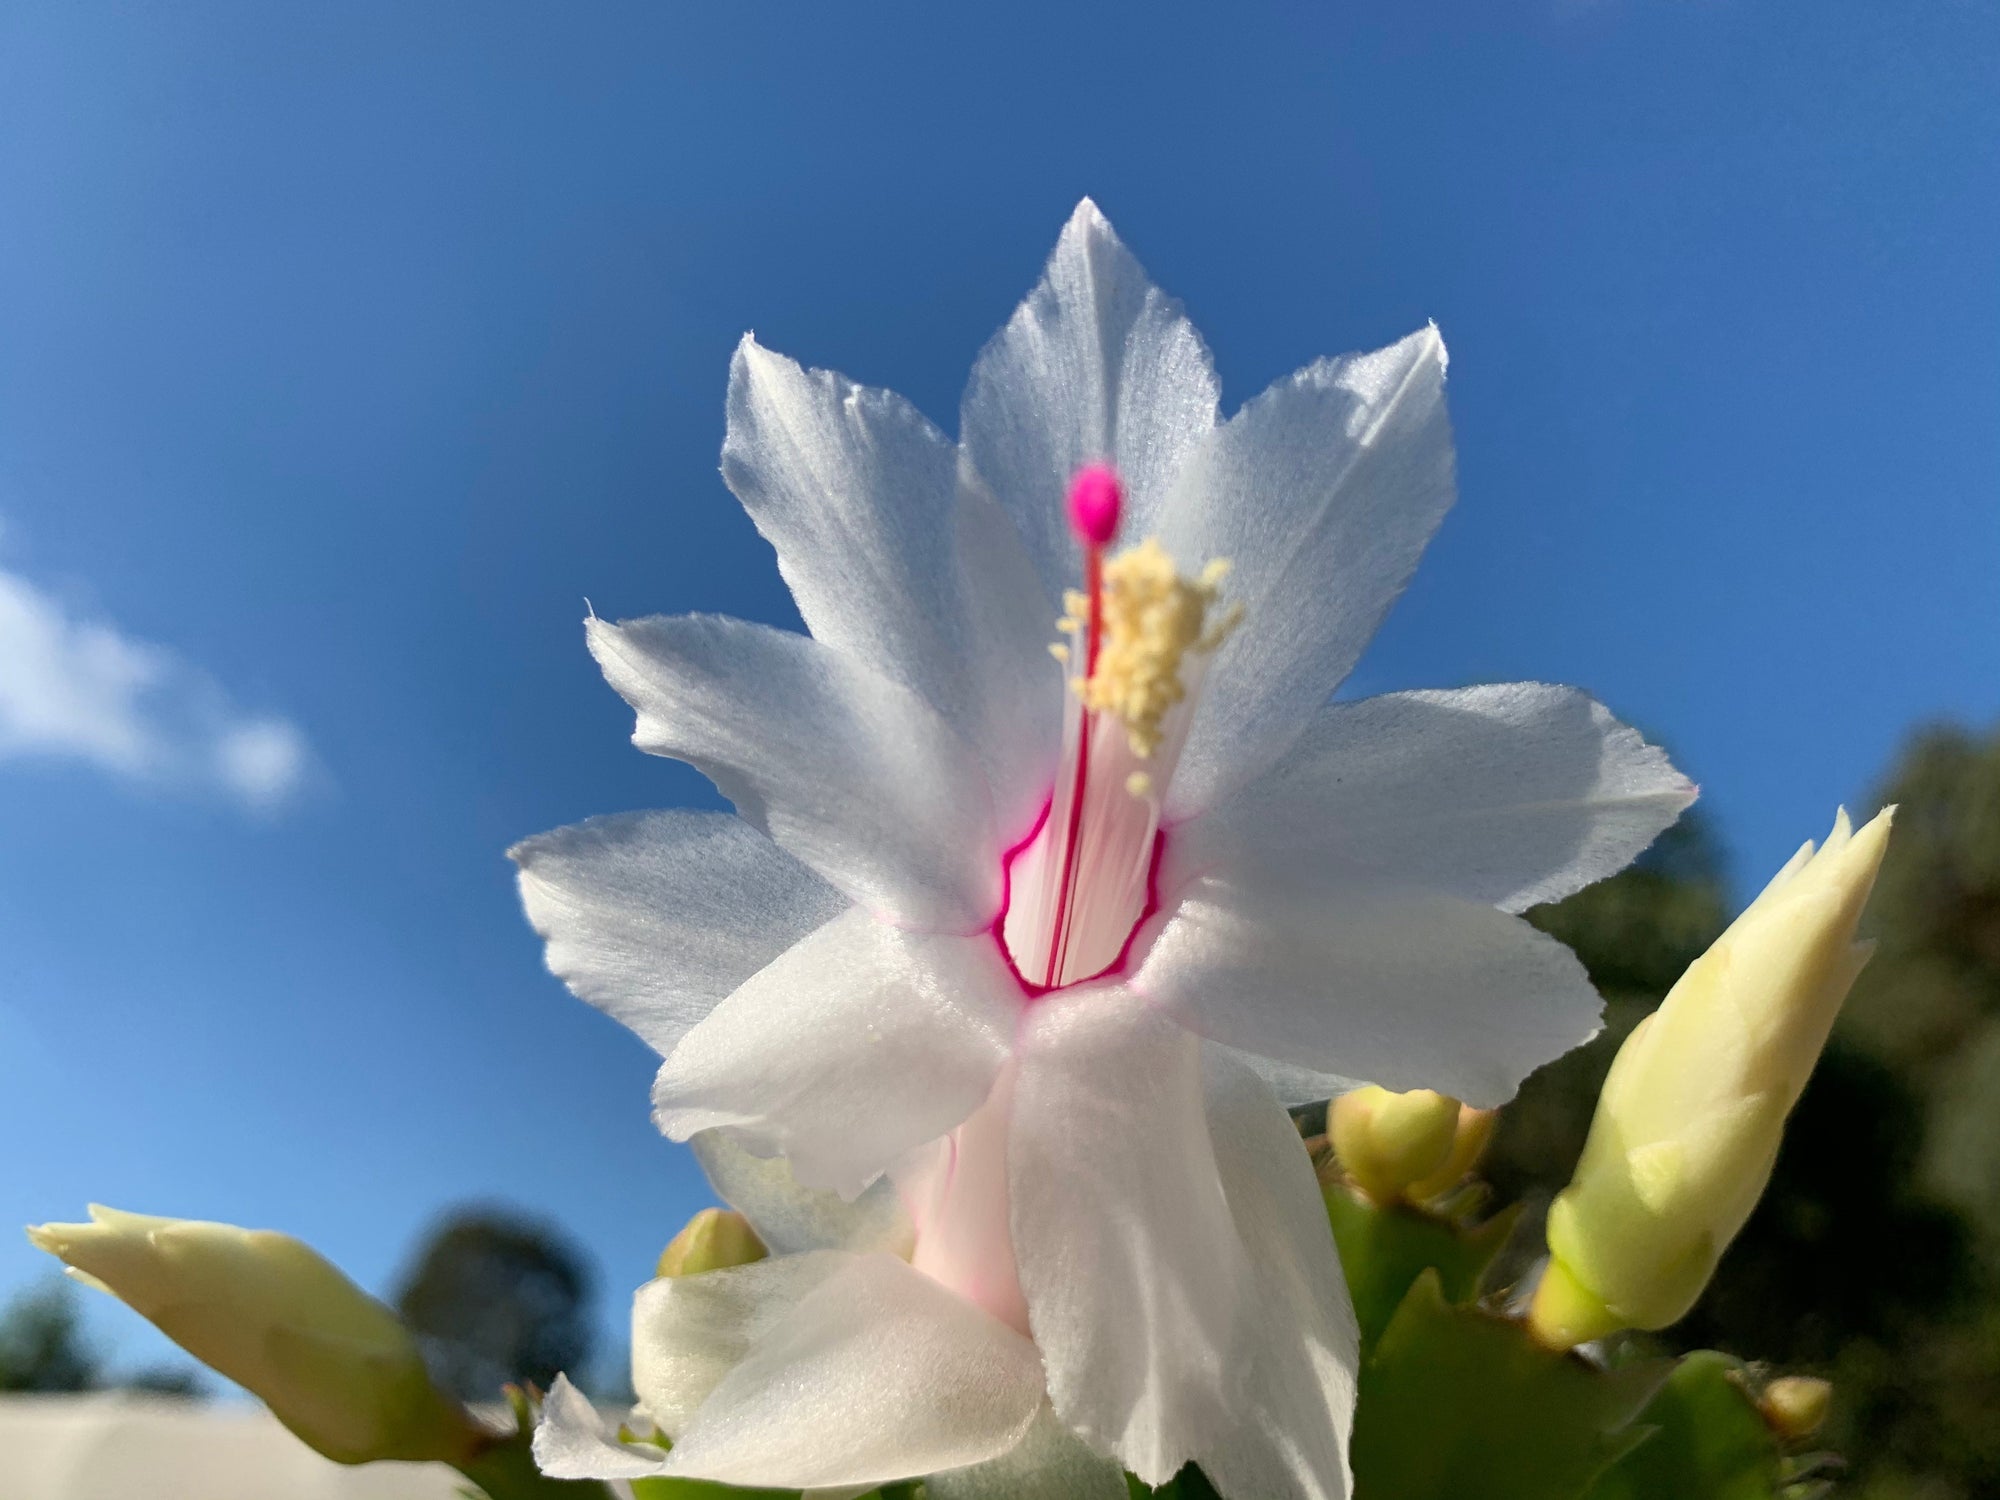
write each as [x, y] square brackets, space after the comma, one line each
[1152, 618]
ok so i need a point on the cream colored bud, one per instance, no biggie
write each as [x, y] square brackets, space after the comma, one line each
[1689, 1122]
[333, 1364]
[1387, 1141]
[714, 1240]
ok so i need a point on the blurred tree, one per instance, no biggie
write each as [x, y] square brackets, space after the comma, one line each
[496, 1297]
[42, 1349]
[1928, 1006]
[41, 1342]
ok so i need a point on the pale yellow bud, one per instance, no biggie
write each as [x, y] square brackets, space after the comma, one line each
[1385, 1142]
[333, 1364]
[1796, 1405]
[1470, 1136]
[1688, 1125]
[714, 1240]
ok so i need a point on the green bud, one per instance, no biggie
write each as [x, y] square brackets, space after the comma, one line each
[714, 1239]
[333, 1364]
[1386, 1142]
[1690, 1119]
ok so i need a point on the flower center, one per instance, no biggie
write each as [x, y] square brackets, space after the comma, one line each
[1139, 636]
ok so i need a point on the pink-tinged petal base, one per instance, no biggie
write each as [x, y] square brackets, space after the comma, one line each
[955, 1191]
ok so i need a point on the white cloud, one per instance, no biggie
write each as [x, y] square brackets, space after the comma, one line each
[76, 688]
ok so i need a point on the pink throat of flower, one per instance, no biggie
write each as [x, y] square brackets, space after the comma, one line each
[1035, 989]
[1081, 883]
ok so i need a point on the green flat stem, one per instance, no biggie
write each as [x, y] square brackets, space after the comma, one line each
[507, 1471]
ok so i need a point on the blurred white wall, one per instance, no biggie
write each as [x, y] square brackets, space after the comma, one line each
[118, 1446]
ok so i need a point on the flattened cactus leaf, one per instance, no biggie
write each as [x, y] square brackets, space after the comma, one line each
[1189, 1484]
[1708, 1441]
[1456, 1402]
[1384, 1249]
[668, 1487]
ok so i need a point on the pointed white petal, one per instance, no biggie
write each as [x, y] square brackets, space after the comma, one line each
[1181, 1279]
[653, 917]
[1511, 794]
[879, 1374]
[790, 1218]
[1322, 493]
[1405, 989]
[1050, 1463]
[851, 772]
[571, 1441]
[860, 496]
[1301, 1399]
[689, 1332]
[1097, 364]
[855, 1046]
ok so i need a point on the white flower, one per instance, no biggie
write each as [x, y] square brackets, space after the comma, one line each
[963, 929]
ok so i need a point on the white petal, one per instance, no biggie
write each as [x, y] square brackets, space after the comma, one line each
[689, 1332]
[851, 772]
[1405, 989]
[860, 495]
[653, 917]
[1302, 1404]
[1322, 493]
[1512, 795]
[879, 1374]
[1050, 1463]
[1290, 1082]
[856, 1045]
[1097, 364]
[1181, 1278]
[790, 1218]
[571, 1441]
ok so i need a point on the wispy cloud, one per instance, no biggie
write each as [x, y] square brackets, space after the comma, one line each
[77, 688]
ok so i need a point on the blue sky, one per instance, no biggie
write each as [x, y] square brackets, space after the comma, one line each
[345, 350]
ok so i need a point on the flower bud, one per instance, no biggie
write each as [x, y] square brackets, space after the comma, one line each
[1796, 1405]
[1689, 1122]
[333, 1364]
[714, 1239]
[1386, 1141]
[1470, 1136]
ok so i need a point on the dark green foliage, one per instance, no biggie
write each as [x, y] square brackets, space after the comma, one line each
[1707, 1440]
[1457, 1401]
[1189, 1484]
[167, 1380]
[1929, 1004]
[701, 1489]
[42, 1348]
[496, 1297]
[41, 1343]
[1384, 1250]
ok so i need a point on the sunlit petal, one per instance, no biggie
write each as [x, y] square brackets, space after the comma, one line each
[848, 770]
[1322, 493]
[856, 1045]
[1097, 365]
[1512, 794]
[611, 895]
